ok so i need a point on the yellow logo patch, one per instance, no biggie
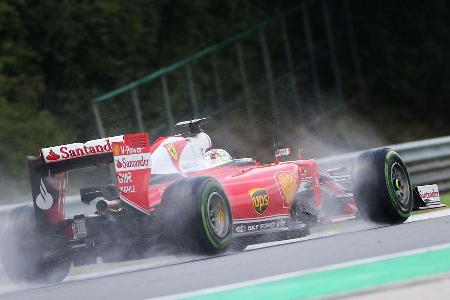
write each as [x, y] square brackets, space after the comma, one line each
[288, 185]
[172, 151]
[260, 199]
[116, 149]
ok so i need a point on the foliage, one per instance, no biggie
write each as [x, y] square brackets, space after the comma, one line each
[56, 55]
[23, 131]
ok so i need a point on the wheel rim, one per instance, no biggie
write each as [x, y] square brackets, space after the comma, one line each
[400, 182]
[218, 216]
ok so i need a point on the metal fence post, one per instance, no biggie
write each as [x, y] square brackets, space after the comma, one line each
[167, 104]
[137, 109]
[311, 55]
[246, 89]
[290, 64]
[192, 91]
[352, 40]
[217, 81]
[269, 75]
[98, 120]
[334, 61]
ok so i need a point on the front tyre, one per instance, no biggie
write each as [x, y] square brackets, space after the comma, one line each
[195, 214]
[382, 187]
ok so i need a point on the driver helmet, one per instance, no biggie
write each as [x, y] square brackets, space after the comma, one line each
[218, 155]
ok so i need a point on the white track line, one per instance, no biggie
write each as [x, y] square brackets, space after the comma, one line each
[283, 242]
[149, 263]
[108, 270]
[360, 226]
[304, 272]
[161, 261]
[429, 215]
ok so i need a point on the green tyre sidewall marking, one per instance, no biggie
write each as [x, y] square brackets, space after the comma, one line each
[221, 244]
[390, 188]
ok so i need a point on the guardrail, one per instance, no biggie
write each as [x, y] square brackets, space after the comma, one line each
[428, 161]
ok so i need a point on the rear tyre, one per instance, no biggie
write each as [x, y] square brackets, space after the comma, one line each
[196, 216]
[26, 254]
[382, 187]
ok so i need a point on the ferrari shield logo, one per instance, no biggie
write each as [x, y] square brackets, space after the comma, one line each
[116, 149]
[172, 151]
[175, 151]
[260, 199]
[288, 185]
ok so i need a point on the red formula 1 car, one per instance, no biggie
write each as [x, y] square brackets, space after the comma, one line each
[180, 191]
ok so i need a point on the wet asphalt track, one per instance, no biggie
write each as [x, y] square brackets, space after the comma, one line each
[179, 277]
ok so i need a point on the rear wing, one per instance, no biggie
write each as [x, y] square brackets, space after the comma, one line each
[75, 156]
[48, 172]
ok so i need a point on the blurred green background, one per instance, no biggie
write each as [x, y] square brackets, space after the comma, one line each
[56, 56]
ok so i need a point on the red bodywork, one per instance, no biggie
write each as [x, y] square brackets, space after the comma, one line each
[256, 192]
[238, 181]
[280, 181]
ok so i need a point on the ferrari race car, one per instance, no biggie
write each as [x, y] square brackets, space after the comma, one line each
[180, 191]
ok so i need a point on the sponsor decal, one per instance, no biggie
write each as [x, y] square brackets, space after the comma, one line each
[429, 193]
[132, 162]
[126, 150]
[127, 189]
[124, 177]
[281, 223]
[44, 200]
[75, 150]
[240, 228]
[52, 155]
[125, 182]
[260, 199]
[287, 184]
[67, 152]
[257, 226]
[283, 152]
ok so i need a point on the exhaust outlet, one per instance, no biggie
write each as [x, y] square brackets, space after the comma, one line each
[104, 206]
